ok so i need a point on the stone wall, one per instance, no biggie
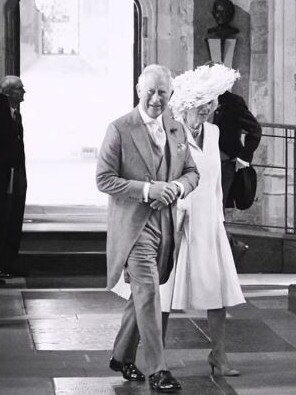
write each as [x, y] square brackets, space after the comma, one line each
[2, 38]
[168, 34]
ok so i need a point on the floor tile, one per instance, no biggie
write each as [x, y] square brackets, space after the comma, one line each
[66, 282]
[55, 364]
[14, 337]
[249, 335]
[117, 386]
[69, 302]
[11, 305]
[182, 333]
[63, 338]
[16, 282]
[86, 385]
[30, 386]
[74, 334]
[268, 303]
[266, 374]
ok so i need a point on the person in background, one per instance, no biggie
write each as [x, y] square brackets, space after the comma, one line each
[145, 166]
[234, 120]
[204, 276]
[13, 181]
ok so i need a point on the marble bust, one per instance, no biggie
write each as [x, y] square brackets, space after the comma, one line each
[223, 12]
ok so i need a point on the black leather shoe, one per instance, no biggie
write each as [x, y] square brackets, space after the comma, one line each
[163, 381]
[5, 275]
[128, 369]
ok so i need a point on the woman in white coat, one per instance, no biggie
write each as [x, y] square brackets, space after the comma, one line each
[205, 276]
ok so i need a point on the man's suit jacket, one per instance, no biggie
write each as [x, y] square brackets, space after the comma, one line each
[11, 138]
[12, 204]
[124, 164]
[233, 118]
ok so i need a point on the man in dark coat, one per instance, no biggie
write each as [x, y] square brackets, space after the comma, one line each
[234, 119]
[13, 182]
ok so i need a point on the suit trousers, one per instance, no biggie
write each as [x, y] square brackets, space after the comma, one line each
[142, 316]
[227, 173]
[12, 214]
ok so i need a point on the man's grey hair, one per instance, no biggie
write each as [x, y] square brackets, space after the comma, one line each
[156, 69]
[8, 82]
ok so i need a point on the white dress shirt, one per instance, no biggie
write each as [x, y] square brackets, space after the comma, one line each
[152, 126]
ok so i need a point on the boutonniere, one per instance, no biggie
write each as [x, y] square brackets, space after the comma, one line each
[173, 130]
[181, 147]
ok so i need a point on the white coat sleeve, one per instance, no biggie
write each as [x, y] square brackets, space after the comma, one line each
[219, 192]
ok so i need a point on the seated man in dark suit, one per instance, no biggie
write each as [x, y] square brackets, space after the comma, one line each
[234, 119]
[13, 183]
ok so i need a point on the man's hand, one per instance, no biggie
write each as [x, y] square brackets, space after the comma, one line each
[240, 164]
[162, 193]
[157, 205]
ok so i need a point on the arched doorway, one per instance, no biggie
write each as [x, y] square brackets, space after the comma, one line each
[138, 22]
[61, 169]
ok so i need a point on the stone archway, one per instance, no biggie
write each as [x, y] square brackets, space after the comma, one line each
[12, 37]
[149, 31]
[138, 23]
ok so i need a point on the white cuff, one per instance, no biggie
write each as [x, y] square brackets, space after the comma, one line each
[146, 192]
[181, 187]
[242, 162]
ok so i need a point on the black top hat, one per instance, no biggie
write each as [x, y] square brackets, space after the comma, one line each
[244, 187]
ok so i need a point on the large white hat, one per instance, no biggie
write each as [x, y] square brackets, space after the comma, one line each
[200, 86]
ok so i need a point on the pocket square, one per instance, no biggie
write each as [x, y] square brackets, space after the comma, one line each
[181, 147]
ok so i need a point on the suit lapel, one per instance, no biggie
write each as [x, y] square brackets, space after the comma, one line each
[141, 139]
[172, 141]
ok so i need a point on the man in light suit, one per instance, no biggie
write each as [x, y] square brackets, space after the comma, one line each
[13, 181]
[144, 165]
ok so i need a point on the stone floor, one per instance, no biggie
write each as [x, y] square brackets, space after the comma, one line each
[59, 340]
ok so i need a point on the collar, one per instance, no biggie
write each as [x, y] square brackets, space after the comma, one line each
[190, 138]
[12, 111]
[195, 132]
[146, 119]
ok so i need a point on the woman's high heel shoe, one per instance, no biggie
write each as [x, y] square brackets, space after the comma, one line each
[223, 369]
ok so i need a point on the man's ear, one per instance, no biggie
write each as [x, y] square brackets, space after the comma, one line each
[138, 90]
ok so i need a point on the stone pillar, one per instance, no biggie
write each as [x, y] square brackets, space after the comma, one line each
[2, 38]
[175, 35]
[258, 92]
[9, 37]
[12, 37]
[282, 106]
[149, 32]
[168, 33]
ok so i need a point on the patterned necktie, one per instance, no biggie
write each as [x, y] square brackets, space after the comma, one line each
[196, 132]
[158, 135]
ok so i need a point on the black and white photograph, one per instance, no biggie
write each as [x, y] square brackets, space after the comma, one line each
[147, 197]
